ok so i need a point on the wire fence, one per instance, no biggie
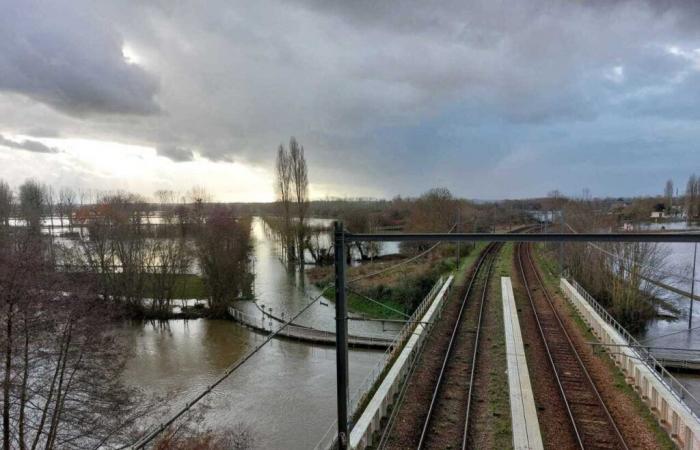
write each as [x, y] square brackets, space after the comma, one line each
[367, 385]
[644, 354]
[264, 323]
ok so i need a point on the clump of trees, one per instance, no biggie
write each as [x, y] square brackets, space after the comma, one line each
[615, 274]
[223, 250]
[129, 260]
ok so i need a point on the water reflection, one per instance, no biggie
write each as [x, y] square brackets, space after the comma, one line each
[287, 292]
[285, 394]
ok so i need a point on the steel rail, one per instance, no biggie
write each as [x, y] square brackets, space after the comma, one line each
[546, 346]
[527, 237]
[472, 376]
[526, 255]
[388, 428]
[426, 424]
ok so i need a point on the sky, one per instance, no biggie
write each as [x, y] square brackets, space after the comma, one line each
[491, 99]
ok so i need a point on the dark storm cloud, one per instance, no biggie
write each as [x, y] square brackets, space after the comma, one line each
[64, 55]
[390, 96]
[28, 145]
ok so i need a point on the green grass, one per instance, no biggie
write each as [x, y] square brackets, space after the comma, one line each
[662, 438]
[499, 396]
[460, 273]
[186, 286]
[360, 305]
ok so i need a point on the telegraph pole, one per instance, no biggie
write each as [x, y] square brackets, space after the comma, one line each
[341, 333]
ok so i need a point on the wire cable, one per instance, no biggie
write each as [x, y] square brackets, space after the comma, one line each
[164, 425]
[405, 261]
[612, 255]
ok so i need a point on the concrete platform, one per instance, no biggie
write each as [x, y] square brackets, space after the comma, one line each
[525, 426]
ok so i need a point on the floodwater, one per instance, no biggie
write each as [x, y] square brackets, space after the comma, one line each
[285, 394]
[679, 262]
[283, 291]
[674, 334]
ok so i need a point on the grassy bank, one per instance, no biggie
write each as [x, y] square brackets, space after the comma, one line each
[401, 289]
[498, 390]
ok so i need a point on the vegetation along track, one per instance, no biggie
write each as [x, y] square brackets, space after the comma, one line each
[433, 408]
[591, 424]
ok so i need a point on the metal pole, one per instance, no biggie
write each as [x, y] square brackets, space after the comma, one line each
[561, 244]
[457, 230]
[692, 287]
[341, 332]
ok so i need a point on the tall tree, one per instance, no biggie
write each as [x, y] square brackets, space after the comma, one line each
[223, 249]
[300, 181]
[691, 196]
[32, 198]
[6, 199]
[283, 185]
[668, 194]
[62, 363]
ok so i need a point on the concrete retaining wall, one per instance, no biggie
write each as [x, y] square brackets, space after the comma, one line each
[673, 413]
[369, 422]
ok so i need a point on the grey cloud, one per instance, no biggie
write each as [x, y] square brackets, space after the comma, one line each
[42, 132]
[377, 87]
[177, 154]
[28, 145]
[64, 55]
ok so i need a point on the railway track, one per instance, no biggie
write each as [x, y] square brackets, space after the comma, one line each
[591, 423]
[447, 374]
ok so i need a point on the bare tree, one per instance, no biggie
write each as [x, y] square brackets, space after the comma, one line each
[32, 199]
[6, 200]
[223, 250]
[199, 197]
[283, 185]
[300, 181]
[66, 205]
[166, 199]
[668, 194]
[194, 435]
[691, 197]
[166, 260]
[61, 362]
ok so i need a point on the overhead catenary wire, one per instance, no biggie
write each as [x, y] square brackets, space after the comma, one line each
[404, 262]
[654, 338]
[618, 257]
[189, 405]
